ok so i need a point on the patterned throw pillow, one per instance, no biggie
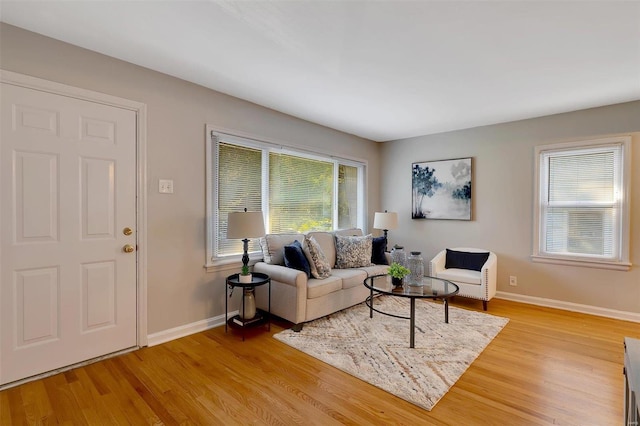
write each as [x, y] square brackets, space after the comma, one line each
[312, 266]
[353, 252]
[318, 259]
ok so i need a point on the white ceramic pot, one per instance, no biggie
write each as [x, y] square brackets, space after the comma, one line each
[245, 279]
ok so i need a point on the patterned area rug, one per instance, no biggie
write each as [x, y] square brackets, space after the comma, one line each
[377, 350]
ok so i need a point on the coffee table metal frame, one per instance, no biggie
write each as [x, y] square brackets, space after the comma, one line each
[444, 290]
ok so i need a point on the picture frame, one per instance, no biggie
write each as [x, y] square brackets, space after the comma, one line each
[441, 189]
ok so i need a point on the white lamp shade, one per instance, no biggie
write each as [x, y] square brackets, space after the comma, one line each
[385, 220]
[245, 225]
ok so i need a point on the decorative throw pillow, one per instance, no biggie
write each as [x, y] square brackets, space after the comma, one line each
[465, 260]
[307, 253]
[295, 258]
[353, 252]
[322, 267]
[273, 246]
[377, 251]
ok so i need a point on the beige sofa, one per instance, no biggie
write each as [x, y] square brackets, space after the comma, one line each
[299, 299]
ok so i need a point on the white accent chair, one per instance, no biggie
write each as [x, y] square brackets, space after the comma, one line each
[474, 284]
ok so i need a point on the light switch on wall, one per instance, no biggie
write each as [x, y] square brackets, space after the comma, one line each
[165, 186]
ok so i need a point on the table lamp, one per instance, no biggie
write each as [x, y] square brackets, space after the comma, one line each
[385, 221]
[245, 225]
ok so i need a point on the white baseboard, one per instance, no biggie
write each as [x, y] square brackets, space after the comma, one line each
[187, 329]
[206, 324]
[568, 306]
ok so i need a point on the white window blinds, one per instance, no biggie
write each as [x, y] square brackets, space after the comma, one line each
[239, 187]
[582, 206]
[581, 214]
[300, 194]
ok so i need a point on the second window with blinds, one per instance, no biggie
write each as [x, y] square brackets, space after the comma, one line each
[582, 206]
[297, 191]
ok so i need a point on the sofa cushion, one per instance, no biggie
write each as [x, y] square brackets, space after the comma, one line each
[465, 260]
[350, 277]
[318, 288]
[375, 269]
[322, 266]
[377, 251]
[273, 246]
[353, 252]
[295, 258]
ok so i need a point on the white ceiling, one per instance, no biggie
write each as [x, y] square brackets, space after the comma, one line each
[382, 70]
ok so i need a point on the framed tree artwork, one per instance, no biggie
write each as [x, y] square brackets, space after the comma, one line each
[441, 189]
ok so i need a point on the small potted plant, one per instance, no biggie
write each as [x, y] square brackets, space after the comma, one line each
[397, 272]
[245, 275]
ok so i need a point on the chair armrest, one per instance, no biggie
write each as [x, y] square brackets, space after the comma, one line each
[489, 274]
[437, 263]
[491, 263]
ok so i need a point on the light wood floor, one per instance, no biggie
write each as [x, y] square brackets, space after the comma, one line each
[546, 367]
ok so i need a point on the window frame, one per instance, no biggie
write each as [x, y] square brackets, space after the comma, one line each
[622, 236]
[214, 135]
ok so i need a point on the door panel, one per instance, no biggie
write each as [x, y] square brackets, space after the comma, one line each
[36, 186]
[37, 306]
[27, 120]
[98, 197]
[68, 291]
[98, 290]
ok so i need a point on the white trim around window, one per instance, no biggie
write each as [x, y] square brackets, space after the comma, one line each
[552, 235]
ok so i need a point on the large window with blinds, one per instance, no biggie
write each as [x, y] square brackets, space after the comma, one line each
[297, 191]
[582, 213]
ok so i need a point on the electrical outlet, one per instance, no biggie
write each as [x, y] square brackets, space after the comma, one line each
[513, 280]
[165, 186]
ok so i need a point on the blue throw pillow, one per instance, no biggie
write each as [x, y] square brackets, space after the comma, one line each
[377, 251]
[465, 260]
[294, 258]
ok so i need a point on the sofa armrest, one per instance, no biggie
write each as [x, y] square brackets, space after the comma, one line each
[289, 276]
[288, 292]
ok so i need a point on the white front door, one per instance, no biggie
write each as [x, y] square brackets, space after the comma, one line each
[68, 180]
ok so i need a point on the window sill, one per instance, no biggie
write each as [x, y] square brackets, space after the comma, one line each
[234, 263]
[617, 266]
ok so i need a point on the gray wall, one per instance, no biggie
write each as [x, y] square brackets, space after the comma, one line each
[503, 174]
[179, 290]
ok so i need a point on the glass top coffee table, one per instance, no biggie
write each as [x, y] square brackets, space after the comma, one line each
[431, 288]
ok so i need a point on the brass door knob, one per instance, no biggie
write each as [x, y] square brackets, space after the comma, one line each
[127, 231]
[128, 248]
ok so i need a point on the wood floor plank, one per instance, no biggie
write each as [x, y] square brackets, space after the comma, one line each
[546, 367]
